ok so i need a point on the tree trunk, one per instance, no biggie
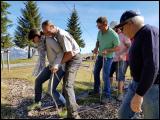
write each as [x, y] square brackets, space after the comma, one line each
[29, 54]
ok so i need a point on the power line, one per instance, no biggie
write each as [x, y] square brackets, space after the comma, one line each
[66, 6]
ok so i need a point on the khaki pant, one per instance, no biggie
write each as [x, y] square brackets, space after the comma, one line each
[70, 74]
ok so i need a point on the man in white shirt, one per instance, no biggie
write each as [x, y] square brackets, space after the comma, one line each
[73, 61]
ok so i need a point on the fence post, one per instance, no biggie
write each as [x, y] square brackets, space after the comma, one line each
[8, 63]
[2, 60]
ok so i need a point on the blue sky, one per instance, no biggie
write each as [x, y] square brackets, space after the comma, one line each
[88, 11]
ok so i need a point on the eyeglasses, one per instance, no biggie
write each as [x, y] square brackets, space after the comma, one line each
[101, 25]
[122, 27]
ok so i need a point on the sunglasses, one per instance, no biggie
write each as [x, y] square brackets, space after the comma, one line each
[99, 26]
[122, 27]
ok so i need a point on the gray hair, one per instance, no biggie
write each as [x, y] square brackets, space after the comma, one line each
[138, 20]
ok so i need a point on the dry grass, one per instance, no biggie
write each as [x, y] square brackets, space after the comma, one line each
[83, 79]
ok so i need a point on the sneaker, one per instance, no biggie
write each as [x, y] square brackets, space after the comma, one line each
[34, 106]
[76, 115]
[93, 93]
[63, 113]
[120, 97]
[106, 99]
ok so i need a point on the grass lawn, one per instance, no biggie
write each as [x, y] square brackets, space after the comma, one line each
[25, 73]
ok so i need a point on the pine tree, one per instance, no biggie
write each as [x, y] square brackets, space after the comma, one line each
[73, 27]
[5, 23]
[30, 18]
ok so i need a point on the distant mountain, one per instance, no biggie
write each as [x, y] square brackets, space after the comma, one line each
[17, 53]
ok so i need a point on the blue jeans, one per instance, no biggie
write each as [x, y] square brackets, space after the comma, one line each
[106, 72]
[150, 104]
[119, 68]
[44, 76]
[58, 96]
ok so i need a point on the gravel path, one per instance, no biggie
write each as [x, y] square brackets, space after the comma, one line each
[21, 94]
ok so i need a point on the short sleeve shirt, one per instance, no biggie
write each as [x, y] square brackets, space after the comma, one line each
[67, 42]
[108, 40]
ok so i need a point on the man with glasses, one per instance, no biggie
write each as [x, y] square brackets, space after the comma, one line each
[107, 43]
[144, 66]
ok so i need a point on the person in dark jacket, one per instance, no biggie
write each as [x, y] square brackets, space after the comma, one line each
[144, 66]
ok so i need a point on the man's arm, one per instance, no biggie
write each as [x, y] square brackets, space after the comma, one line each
[113, 49]
[67, 56]
[97, 44]
[107, 51]
[116, 43]
[65, 43]
[96, 47]
[150, 63]
[150, 67]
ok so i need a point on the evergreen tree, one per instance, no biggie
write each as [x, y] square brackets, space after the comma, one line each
[30, 19]
[73, 27]
[5, 23]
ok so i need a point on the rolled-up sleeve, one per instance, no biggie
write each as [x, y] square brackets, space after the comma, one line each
[65, 43]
